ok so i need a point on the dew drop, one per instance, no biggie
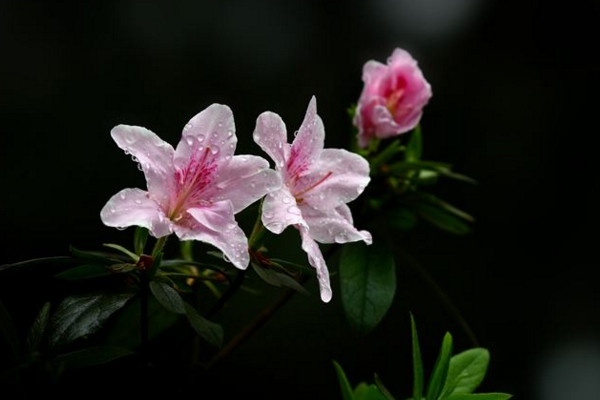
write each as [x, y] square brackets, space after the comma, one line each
[215, 134]
[256, 136]
[295, 133]
[129, 139]
[189, 140]
[225, 258]
[231, 145]
[122, 196]
[188, 127]
[138, 201]
[214, 150]
[280, 145]
[139, 166]
[134, 158]
[341, 237]
[220, 124]
[112, 210]
[294, 210]
[275, 226]
[286, 200]
[121, 228]
[360, 189]
[229, 133]
[267, 214]
[252, 184]
[200, 138]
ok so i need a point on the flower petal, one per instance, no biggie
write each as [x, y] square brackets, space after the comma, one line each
[154, 155]
[244, 180]
[373, 71]
[308, 144]
[213, 129]
[334, 226]
[216, 225]
[279, 210]
[270, 134]
[133, 207]
[348, 177]
[315, 258]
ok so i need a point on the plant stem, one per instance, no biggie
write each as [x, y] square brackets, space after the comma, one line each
[258, 232]
[159, 245]
[233, 288]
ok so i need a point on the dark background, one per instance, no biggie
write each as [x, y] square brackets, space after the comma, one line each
[515, 105]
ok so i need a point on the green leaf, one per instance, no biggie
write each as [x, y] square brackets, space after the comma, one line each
[417, 362]
[140, 237]
[95, 256]
[414, 147]
[78, 316]
[443, 219]
[480, 396]
[91, 356]
[401, 218]
[386, 393]
[36, 261]
[208, 330]
[344, 384]
[8, 331]
[278, 279]
[386, 155]
[36, 332]
[368, 283]
[86, 271]
[167, 297]
[440, 370]
[466, 371]
[368, 392]
[123, 250]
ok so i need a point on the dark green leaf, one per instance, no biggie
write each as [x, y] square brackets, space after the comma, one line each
[86, 271]
[386, 393]
[401, 218]
[414, 147]
[36, 332]
[480, 396]
[344, 384]
[368, 283]
[8, 331]
[208, 330]
[96, 257]
[36, 261]
[417, 362]
[440, 369]
[466, 371]
[91, 356]
[167, 297]
[368, 392]
[303, 268]
[386, 155]
[122, 268]
[134, 257]
[78, 316]
[443, 219]
[140, 237]
[428, 198]
[278, 279]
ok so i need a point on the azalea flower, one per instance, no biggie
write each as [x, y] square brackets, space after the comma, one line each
[194, 190]
[317, 184]
[392, 99]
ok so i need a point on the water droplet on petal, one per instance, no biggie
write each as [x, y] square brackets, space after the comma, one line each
[214, 150]
[189, 140]
[225, 258]
[252, 184]
[215, 134]
[360, 189]
[275, 226]
[188, 127]
[229, 133]
[122, 196]
[256, 136]
[294, 210]
[200, 138]
[286, 200]
[231, 145]
[138, 201]
[295, 133]
[121, 228]
[139, 166]
[341, 237]
[267, 214]
[220, 124]
[112, 210]
[129, 139]
[280, 145]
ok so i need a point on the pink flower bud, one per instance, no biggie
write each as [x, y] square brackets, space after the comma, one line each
[392, 99]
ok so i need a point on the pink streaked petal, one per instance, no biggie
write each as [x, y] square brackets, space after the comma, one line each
[244, 180]
[349, 175]
[154, 155]
[213, 129]
[271, 135]
[315, 258]
[279, 210]
[334, 226]
[373, 71]
[308, 143]
[133, 207]
[215, 224]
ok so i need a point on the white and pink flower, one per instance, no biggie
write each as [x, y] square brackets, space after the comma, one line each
[194, 190]
[392, 99]
[317, 184]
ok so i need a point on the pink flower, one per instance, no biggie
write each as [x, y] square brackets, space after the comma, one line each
[194, 190]
[392, 99]
[317, 184]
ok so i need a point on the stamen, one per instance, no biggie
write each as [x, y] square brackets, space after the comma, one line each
[311, 187]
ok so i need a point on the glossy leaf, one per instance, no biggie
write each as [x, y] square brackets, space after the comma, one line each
[386, 393]
[368, 283]
[414, 147]
[366, 391]
[480, 396]
[440, 370]
[140, 237]
[78, 316]
[37, 330]
[278, 279]
[86, 271]
[134, 257]
[466, 371]
[345, 387]
[418, 376]
[91, 356]
[96, 257]
[208, 330]
[167, 297]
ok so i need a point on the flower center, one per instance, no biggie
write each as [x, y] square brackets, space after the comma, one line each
[302, 191]
[393, 100]
[192, 181]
